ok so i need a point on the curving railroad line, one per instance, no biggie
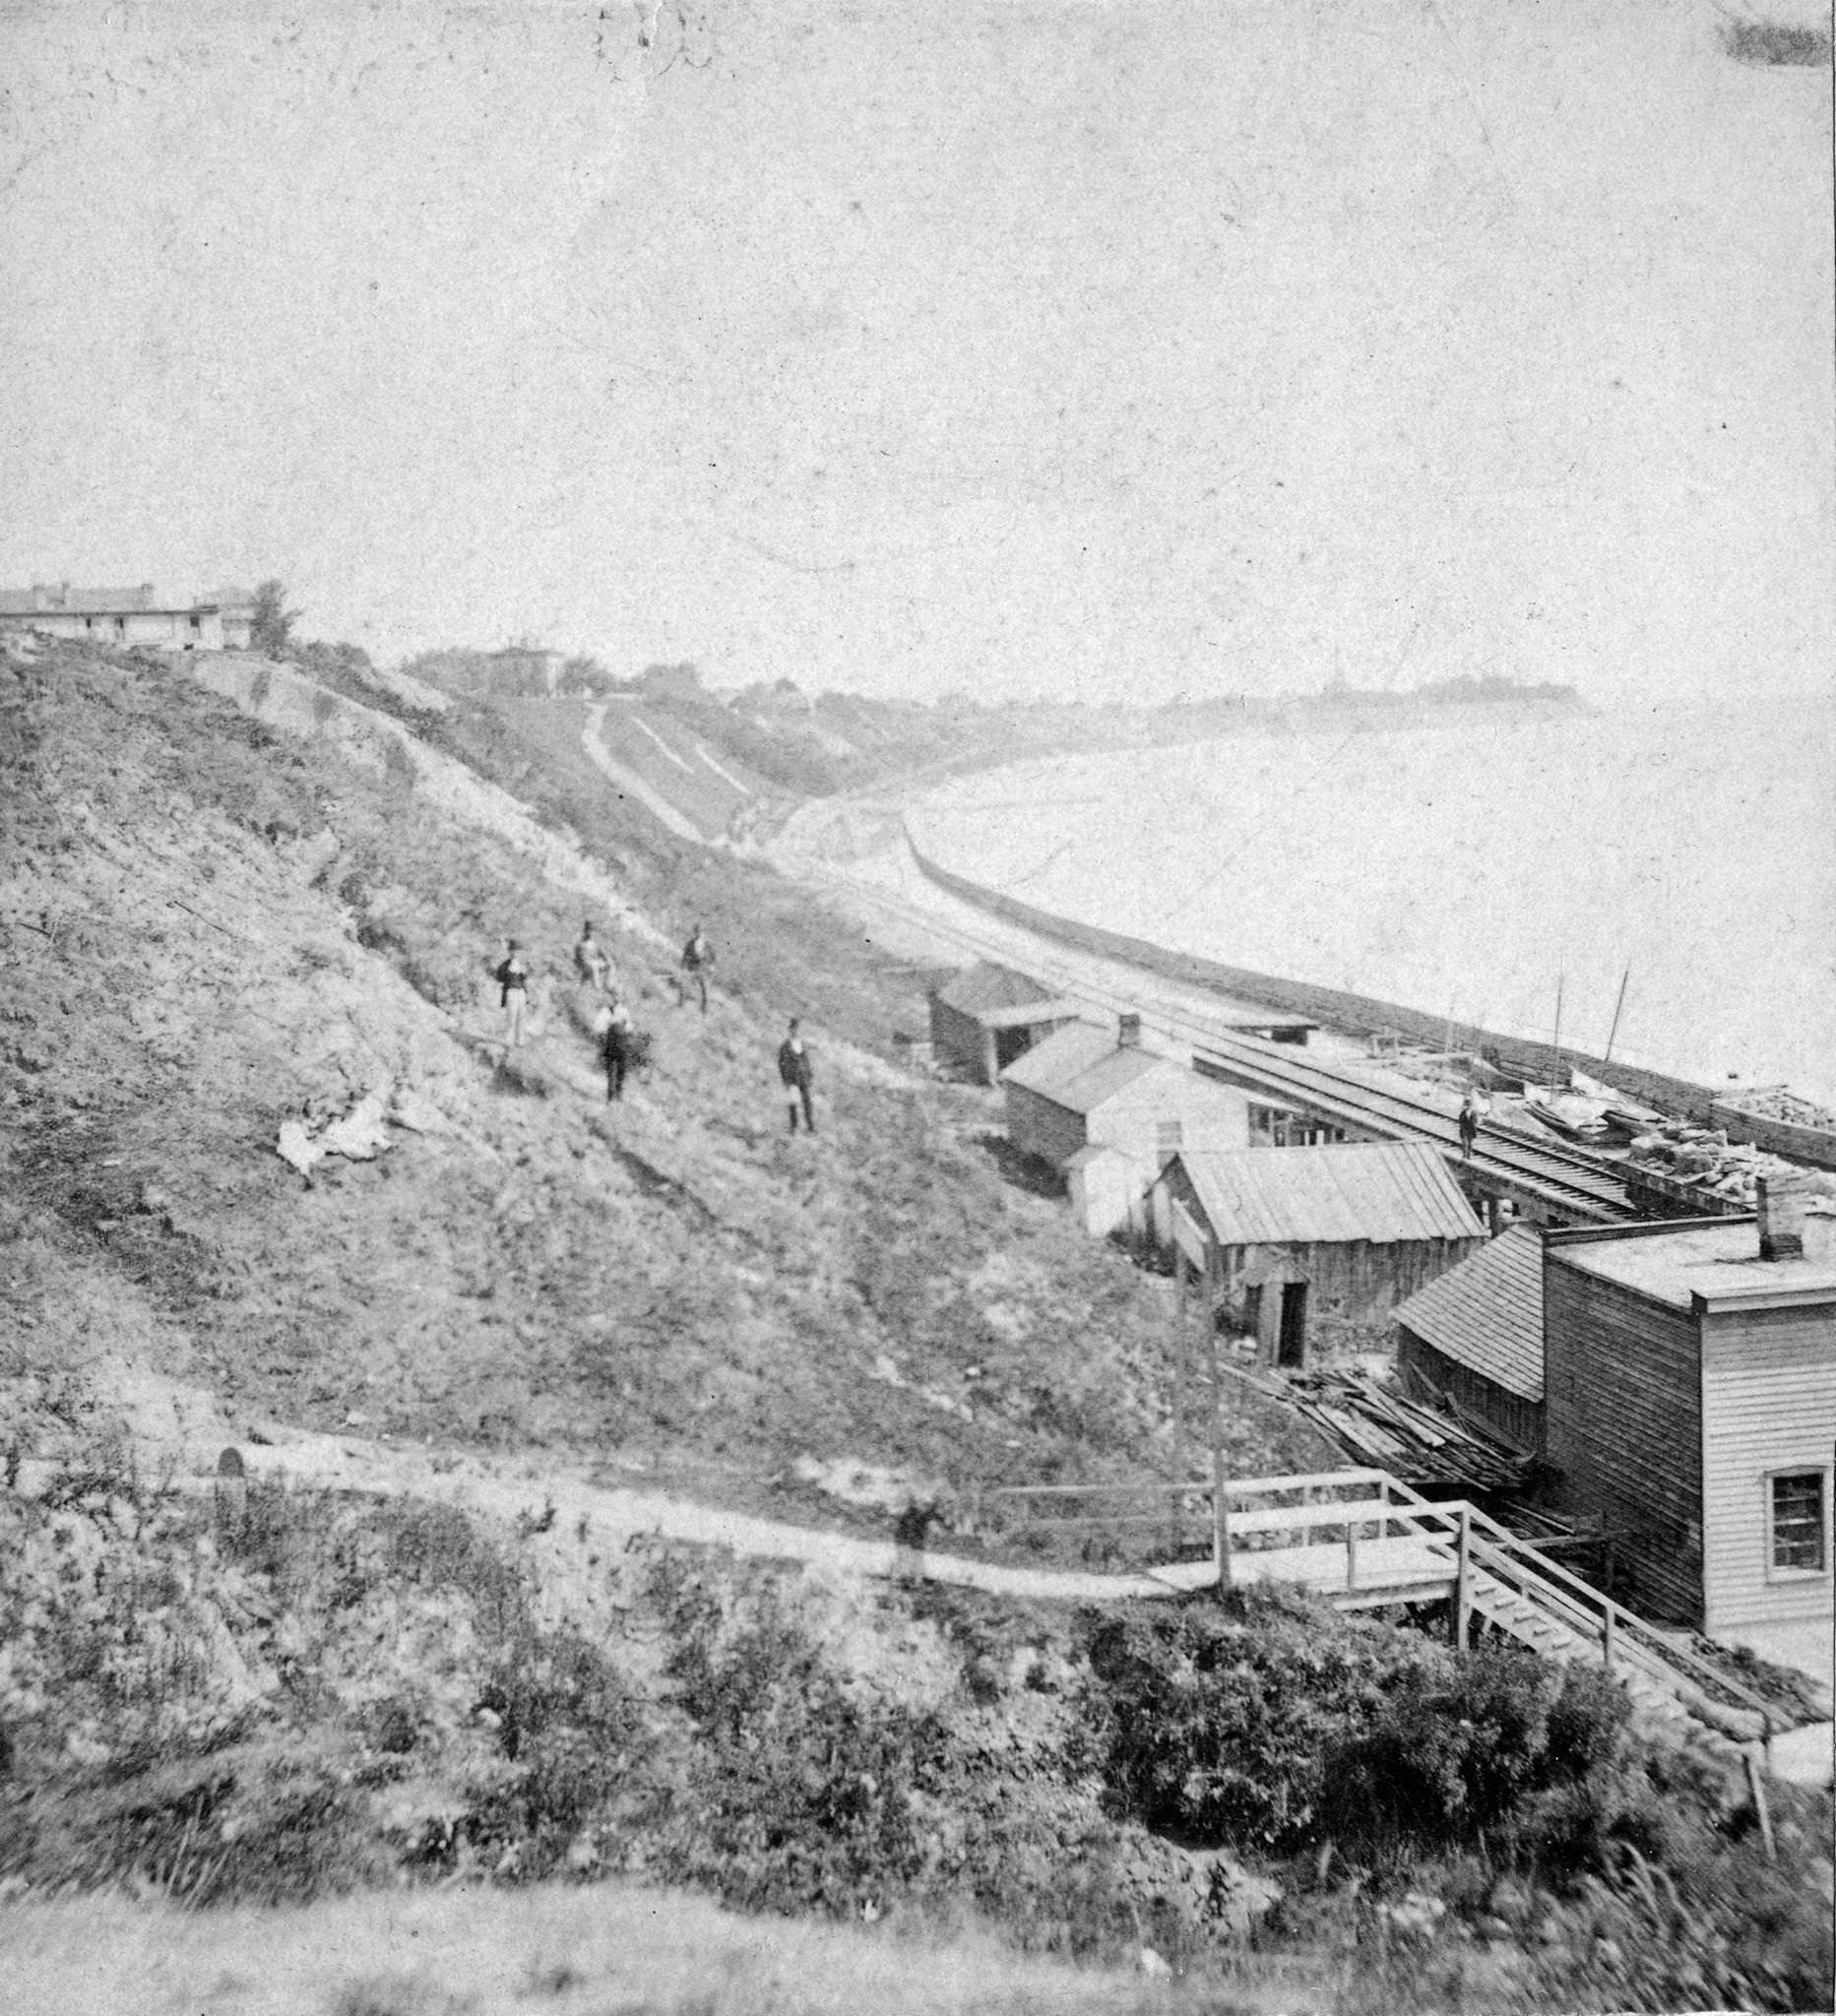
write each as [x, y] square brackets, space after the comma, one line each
[1584, 1188]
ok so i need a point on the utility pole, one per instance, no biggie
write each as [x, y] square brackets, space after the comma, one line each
[1219, 1505]
[1179, 1385]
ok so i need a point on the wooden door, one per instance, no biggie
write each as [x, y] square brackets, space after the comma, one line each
[1292, 1348]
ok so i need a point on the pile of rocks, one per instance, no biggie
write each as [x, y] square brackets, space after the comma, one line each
[1779, 1102]
[1704, 1159]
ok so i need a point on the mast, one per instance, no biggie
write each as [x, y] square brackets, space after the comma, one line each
[1557, 1064]
[1612, 1033]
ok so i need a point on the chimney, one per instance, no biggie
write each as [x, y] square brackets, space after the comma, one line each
[1782, 1200]
[1128, 1035]
[146, 595]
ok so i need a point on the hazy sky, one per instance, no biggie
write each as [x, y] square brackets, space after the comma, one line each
[1089, 349]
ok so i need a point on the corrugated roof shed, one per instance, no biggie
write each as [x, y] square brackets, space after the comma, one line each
[1080, 1066]
[1487, 1313]
[1383, 1191]
[979, 988]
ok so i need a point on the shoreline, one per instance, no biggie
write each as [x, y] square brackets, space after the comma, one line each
[1336, 1008]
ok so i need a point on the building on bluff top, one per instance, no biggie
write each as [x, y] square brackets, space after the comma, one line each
[124, 616]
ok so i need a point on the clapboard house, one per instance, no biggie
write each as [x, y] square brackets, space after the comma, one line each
[1691, 1405]
[987, 1017]
[1293, 1235]
[1475, 1337]
[1106, 1113]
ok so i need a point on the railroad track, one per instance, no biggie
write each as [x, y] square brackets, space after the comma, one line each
[1584, 1188]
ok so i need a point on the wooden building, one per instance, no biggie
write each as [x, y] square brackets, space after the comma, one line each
[1691, 1407]
[1106, 1114]
[987, 1017]
[1296, 1235]
[130, 616]
[1475, 1337]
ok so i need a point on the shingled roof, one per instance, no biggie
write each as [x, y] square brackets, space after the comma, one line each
[1487, 1313]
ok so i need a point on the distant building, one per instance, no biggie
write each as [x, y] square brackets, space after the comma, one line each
[987, 1017]
[1289, 1236]
[1475, 1337]
[1106, 1114]
[130, 616]
[1691, 1405]
[522, 670]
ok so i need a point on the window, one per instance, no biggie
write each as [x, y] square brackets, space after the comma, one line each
[1797, 1507]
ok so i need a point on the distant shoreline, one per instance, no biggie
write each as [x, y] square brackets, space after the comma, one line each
[1336, 1008]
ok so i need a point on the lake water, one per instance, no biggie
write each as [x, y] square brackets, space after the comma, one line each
[1470, 871]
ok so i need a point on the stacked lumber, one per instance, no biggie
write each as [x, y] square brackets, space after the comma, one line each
[1428, 1448]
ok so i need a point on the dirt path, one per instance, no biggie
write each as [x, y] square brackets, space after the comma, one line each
[536, 1498]
[628, 783]
[182, 1436]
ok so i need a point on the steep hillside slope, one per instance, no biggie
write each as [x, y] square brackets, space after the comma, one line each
[216, 928]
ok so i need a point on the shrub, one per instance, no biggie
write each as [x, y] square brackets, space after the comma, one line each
[1217, 1722]
[796, 1796]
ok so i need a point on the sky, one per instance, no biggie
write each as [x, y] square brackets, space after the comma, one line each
[1091, 350]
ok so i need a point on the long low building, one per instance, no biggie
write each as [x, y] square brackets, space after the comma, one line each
[127, 617]
[1294, 1236]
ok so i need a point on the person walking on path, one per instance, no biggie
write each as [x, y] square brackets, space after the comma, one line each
[794, 1074]
[512, 977]
[591, 960]
[616, 1047]
[697, 957]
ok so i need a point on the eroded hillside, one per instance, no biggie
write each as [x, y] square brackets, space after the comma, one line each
[216, 928]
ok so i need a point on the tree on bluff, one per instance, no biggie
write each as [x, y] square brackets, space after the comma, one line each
[671, 682]
[273, 623]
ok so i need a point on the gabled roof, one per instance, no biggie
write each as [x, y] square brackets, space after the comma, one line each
[96, 601]
[1081, 1067]
[1487, 1313]
[979, 989]
[1383, 1191]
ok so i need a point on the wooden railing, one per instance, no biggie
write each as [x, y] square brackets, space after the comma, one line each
[1623, 1636]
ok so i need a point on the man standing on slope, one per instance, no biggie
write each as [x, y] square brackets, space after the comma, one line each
[512, 977]
[591, 962]
[616, 1047]
[697, 957]
[794, 1074]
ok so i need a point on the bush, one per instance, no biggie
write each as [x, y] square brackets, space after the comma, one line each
[796, 1796]
[1217, 1724]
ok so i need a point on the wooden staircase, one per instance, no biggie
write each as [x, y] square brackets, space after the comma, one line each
[1362, 1538]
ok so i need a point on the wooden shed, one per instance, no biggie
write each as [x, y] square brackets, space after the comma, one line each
[1691, 1407]
[987, 1017]
[1475, 1337]
[1296, 1235]
[1086, 1088]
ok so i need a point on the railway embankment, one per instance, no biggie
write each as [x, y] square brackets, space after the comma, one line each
[1355, 1014]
